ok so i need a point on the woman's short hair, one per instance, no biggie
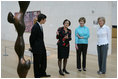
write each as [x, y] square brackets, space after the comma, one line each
[102, 18]
[82, 19]
[41, 17]
[66, 20]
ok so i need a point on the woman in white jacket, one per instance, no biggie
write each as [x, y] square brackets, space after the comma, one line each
[103, 35]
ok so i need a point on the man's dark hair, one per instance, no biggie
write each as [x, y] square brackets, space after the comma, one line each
[41, 17]
[66, 20]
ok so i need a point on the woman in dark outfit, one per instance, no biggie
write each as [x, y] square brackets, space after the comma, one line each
[63, 36]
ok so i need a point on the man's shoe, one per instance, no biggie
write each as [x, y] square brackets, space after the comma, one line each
[38, 77]
[46, 76]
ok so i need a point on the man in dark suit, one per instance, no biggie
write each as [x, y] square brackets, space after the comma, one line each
[38, 48]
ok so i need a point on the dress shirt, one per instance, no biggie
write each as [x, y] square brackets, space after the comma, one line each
[40, 26]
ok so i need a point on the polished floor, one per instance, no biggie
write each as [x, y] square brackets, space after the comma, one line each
[9, 63]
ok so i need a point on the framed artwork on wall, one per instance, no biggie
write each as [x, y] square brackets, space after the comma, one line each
[30, 18]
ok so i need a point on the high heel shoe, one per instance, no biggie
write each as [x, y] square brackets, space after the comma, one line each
[65, 71]
[61, 73]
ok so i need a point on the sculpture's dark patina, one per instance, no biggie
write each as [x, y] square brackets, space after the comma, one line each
[18, 21]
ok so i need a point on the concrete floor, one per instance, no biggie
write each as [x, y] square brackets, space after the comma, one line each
[9, 63]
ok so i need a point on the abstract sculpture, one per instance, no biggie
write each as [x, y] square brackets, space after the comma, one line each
[18, 21]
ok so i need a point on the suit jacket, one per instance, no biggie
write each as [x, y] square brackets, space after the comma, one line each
[37, 40]
[62, 41]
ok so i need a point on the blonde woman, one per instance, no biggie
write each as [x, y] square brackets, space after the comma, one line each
[81, 43]
[103, 35]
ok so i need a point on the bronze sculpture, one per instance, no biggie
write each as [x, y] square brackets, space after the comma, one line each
[18, 21]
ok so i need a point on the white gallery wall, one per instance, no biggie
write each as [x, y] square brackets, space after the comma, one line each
[56, 13]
